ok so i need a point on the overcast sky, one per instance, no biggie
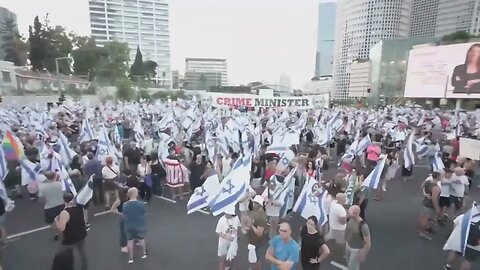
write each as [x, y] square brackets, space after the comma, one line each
[261, 39]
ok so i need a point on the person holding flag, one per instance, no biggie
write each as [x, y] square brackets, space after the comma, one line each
[464, 240]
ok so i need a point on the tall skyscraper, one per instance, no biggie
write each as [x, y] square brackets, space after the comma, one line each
[437, 18]
[325, 38]
[360, 24]
[143, 23]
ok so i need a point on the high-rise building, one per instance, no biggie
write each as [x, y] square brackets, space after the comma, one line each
[437, 18]
[143, 23]
[5, 14]
[361, 24]
[325, 38]
[209, 66]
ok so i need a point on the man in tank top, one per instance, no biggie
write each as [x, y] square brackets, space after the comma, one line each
[72, 225]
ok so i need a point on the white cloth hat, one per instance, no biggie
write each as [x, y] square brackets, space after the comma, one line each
[230, 210]
[258, 199]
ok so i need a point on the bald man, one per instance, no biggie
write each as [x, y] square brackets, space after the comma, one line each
[135, 222]
[357, 235]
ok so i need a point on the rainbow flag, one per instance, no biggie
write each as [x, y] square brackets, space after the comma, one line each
[12, 147]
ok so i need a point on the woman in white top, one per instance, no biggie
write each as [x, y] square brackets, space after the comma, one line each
[110, 174]
[144, 172]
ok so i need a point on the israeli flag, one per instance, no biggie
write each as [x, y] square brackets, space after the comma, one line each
[3, 174]
[437, 163]
[287, 193]
[56, 165]
[29, 171]
[86, 193]
[373, 178]
[311, 201]
[421, 149]
[233, 186]
[203, 196]
[105, 147]
[285, 153]
[65, 151]
[457, 241]
[139, 133]
[409, 158]
[86, 134]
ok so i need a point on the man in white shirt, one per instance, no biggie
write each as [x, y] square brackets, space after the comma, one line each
[227, 229]
[445, 187]
[338, 221]
[459, 185]
[272, 204]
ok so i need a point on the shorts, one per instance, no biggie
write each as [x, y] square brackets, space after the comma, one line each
[135, 233]
[260, 252]
[457, 202]
[338, 236]
[429, 212]
[471, 255]
[52, 213]
[444, 201]
[223, 249]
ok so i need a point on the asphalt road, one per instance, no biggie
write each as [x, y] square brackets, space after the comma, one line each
[177, 241]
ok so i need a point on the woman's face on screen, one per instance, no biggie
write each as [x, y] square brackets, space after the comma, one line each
[474, 54]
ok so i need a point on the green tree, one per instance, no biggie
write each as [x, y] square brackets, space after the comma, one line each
[150, 68]
[37, 46]
[88, 58]
[457, 37]
[58, 45]
[13, 45]
[137, 71]
[125, 91]
[115, 66]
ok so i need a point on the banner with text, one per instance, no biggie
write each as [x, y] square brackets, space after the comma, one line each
[237, 100]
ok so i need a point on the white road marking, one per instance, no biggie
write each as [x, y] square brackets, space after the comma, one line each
[343, 267]
[28, 232]
[165, 199]
[101, 213]
[204, 212]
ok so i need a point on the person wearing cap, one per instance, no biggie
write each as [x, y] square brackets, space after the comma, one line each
[257, 233]
[227, 230]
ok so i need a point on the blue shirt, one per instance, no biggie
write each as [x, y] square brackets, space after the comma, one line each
[134, 215]
[284, 251]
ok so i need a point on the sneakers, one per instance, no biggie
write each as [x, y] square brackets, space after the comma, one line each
[87, 227]
[130, 261]
[124, 250]
[425, 236]
[144, 256]
[447, 267]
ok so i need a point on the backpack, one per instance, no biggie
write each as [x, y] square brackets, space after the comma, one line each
[360, 226]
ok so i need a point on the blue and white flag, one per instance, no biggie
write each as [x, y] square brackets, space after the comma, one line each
[65, 151]
[203, 196]
[287, 193]
[233, 186]
[286, 155]
[86, 193]
[437, 163]
[458, 239]
[3, 174]
[57, 166]
[139, 133]
[409, 158]
[86, 134]
[373, 178]
[105, 148]
[29, 171]
[311, 201]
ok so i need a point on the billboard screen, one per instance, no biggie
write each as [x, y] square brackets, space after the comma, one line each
[449, 71]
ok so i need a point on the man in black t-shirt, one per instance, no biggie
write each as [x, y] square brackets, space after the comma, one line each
[132, 157]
